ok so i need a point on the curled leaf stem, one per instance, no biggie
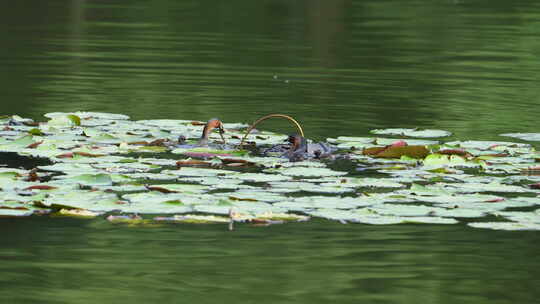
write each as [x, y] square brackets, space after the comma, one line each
[270, 116]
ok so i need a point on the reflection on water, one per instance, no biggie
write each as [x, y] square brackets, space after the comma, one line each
[466, 66]
[341, 68]
[74, 261]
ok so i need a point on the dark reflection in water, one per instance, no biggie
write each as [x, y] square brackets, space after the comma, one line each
[74, 261]
[341, 68]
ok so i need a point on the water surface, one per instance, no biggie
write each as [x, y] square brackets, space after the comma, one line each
[341, 68]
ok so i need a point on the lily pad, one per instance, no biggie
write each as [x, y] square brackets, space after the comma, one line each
[427, 133]
[15, 212]
[524, 136]
[506, 225]
[306, 172]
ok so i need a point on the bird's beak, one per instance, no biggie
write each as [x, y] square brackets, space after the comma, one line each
[221, 132]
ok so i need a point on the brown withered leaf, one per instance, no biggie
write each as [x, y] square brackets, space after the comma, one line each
[158, 142]
[40, 187]
[373, 150]
[31, 123]
[86, 154]
[65, 155]
[535, 186]
[34, 145]
[459, 152]
[136, 143]
[189, 163]
[410, 151]
[14, 208]
[242, 199]
[231, 162]
[159, 189]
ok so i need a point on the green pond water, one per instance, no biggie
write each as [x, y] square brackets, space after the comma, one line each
[340, 68]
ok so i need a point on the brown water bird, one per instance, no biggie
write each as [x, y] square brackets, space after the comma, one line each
[212, 124]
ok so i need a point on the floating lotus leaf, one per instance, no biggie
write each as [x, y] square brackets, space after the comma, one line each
[158, 161]
[215, 182]
[427, 133]
[14, 199]
[526, 200]
[252, 196]
[364, 182]
[125, 167]
[17, 144]
[255, 208]
[335, 214]
[405, 210]
[12, 133]
[261, 161]
[121, 188]
[152, 176]
[184, 188]
[65, 121]
[434, 190]
[307, 172]
[306, 163]
[187, 171]
[90, 200]
[335, 202]
[409, 142]
[524, 136]
[441, 160]
[288, 217]
[260, 177]
[398, 152]
[165, 123]
[89, 179]
[213, 209]
[72, 168]
[460, 198]
[78, 213]
[15, 212]
[351, 139]
[459, 212]
[89, 115]
[166, 207]
[506, 225]
[367, 216]
[485, 145]
[294, 186]
[292, 206]
[486, 207]
[207, 151]
[429, 220]
[352, 145]
[520, 216]
[480, 187]
[196, 219]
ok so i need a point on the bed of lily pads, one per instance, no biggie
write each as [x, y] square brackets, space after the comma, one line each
[88, 164]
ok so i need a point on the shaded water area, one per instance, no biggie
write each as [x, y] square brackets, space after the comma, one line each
[339, 67]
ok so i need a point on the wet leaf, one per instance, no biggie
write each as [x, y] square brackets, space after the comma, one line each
[524, 136]
[506, 225]
[427, 133]
[398, 151]
[306, 172]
